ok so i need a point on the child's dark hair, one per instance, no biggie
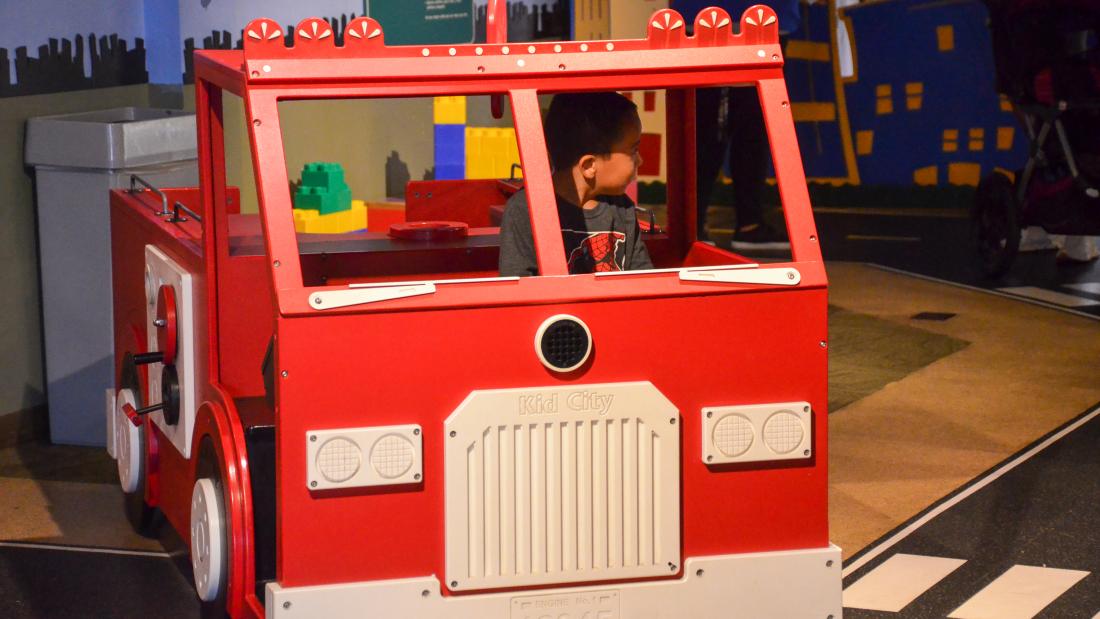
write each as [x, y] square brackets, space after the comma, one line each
[584, 123]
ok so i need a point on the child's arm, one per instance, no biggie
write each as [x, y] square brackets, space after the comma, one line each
[517, 245]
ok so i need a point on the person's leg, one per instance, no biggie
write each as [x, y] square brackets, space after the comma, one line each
[710, 149]
[748, 156]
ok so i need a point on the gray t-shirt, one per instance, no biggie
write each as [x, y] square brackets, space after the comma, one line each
[604, 238]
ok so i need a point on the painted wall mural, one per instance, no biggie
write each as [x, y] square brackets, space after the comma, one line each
[94, 44]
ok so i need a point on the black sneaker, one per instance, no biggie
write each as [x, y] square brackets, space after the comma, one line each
[760, 237]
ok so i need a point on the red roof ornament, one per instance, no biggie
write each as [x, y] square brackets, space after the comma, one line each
[666, 29]
[312, 32]
[362, 32]
[759, 25]
[713, 27]
[263, 33]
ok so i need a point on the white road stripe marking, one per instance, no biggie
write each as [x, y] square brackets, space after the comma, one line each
[1019, 593]
[898, 581]
[1089, 287]
[89, 549]
[1050, 296]
[980, 483]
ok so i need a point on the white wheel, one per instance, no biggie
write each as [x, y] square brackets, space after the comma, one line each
[208, 543]
[129, 445]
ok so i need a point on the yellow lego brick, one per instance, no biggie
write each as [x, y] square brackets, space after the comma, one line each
[926, 176]
[945, 37]
[964, 174]
[449, 110]
[1005, 136]
[865, 141]
[309, 221]
[1006, 105]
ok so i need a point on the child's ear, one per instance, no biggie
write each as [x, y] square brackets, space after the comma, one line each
[587, 165]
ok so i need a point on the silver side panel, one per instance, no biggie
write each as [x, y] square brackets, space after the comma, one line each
[783, 585]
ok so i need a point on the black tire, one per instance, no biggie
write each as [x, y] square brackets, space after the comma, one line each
[209, 468]
[995, 223]
[145, 519]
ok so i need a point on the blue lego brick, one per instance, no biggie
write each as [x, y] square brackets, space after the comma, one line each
[450, 171]
[450, 144]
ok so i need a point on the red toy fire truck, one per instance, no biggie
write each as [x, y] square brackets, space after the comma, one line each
[427, 439]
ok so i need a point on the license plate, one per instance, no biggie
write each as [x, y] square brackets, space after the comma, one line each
[581, 605]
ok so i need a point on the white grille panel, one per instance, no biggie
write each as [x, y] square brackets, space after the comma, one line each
[565, 495]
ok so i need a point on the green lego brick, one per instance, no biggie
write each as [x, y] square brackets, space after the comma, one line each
[323, 189]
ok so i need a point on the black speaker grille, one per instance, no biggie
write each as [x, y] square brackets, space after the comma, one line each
[564, 343]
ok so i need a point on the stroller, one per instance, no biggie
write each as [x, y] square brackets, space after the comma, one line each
[1047, 61]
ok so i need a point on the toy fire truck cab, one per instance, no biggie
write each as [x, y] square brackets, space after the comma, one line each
[438, 441]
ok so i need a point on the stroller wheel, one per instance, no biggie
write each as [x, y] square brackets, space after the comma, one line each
[995, 224]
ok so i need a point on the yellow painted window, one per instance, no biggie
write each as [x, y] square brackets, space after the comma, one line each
[977, 139]
[950, 140]
[865, 141]
[1005, 136]
[945, 37]
[914, 92]
[964, 173]
[926, 176]
[884, 101]
[1006, 105]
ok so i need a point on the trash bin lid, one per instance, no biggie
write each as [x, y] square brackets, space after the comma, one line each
[111, 139]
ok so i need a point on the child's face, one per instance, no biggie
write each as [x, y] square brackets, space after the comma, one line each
[616, 170]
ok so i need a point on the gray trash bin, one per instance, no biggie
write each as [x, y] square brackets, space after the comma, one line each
[77, 159]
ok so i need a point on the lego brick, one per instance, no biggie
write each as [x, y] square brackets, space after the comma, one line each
[449, 110]
[450, 144]
[450, 171]
[323, 189]
[314, 222]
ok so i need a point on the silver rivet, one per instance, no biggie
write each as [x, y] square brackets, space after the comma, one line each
[425, 593]
[672, 421]
[416, 431]
[520, 62]
[806, 452]
[813, 238]
[530, 49]
[557, 48]
[698, 572]
[610, 46]
[256, 123]
[805, 409]
[312, 484]
[790, 274]
[760, 53]
[785, 104]
[453, 434]
[426, 51]
[479, 51]
[286, 605]
[710, 414]
[481, 69]
[452, 51]
[775, 56]
[584, 47]
[160, 322]
[316, 300]
[454, 583]
[255, 74]
[267, 68]
[504, 50]
[710, 458]
[829, 563]
[561, 67]
[276, 264]
[313, 439]
[824, 344]
[285, 373]
[417, 476]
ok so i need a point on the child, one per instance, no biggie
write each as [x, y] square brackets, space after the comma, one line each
[593, 141]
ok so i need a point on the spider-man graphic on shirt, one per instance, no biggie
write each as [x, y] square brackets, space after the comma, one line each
[595, 252]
